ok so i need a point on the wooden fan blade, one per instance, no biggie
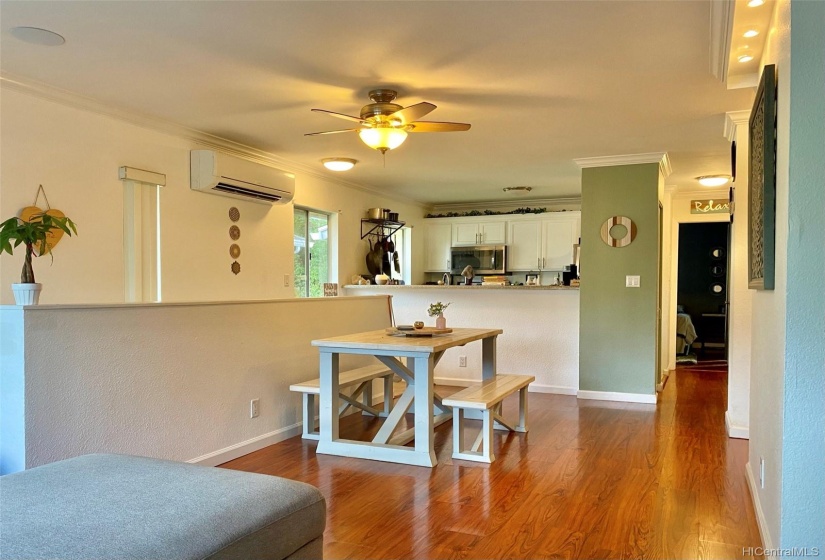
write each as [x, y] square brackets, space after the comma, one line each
[412, 113]
[340, 115]
[430, 126]
[332, 132]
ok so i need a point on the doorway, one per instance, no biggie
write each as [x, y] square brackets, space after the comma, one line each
[702, 292]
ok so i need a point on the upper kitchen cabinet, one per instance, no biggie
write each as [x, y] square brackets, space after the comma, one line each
[438, 241]
[479, 233]
[545, 244]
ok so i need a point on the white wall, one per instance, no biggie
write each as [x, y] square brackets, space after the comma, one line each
[737, 416]
[172, 381]
[75, 153]
[541, 330]
[768, 342]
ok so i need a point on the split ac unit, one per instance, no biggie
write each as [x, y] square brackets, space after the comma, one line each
[225, 175]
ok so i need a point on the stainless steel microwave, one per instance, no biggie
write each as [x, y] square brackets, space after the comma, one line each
[485, 259]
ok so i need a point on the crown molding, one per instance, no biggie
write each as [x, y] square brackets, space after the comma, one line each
[733, 120]
[631, 159]
[721, 33]
[687, 193]
[64, 97]
[489, 205]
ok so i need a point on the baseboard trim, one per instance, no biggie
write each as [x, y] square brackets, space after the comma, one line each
[767, 542]
[620, 397]
[552, 389]
[734, 431]
[661, 385]
[246, 447]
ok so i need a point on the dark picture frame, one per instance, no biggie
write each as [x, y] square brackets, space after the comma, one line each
[762, 184]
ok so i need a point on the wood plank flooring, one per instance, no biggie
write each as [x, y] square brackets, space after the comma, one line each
[591, 479]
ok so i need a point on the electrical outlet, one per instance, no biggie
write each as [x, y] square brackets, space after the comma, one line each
[632, 281]
[762, 472]
[286, 280]
[254, 408]
[462, 361]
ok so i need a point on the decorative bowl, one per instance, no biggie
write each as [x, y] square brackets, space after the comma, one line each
[419, 324]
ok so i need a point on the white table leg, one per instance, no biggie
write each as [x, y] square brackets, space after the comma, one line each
[488, 358]
[423, 368]
[328, 410]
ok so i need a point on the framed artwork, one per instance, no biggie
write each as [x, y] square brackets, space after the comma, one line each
[762, 184]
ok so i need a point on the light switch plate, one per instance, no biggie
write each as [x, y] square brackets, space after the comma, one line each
[632, 281]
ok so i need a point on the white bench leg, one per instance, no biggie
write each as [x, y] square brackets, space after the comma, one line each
[309, 417]
[458, 431]
[522, 410]
[388, 394]
[487, 442]
[366, 397]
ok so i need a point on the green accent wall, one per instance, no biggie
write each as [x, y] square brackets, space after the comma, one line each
[617, 343]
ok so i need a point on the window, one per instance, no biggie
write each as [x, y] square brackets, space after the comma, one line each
[311, 252]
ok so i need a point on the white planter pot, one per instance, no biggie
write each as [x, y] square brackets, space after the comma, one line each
[26, 294]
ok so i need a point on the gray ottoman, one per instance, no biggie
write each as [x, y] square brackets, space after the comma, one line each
[117, 506]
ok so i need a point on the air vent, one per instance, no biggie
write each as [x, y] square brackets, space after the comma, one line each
[235, 189]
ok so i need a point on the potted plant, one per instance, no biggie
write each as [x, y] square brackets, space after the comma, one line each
[33, 234]
[437, 310]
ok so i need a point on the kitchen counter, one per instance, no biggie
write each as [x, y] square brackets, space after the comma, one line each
[459, 287]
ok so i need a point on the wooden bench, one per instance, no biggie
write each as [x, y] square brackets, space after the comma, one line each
[361, 379]
[487, 398]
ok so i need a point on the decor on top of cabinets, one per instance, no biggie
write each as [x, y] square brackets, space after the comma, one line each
[762, 173]
[37, 232]
[618, 231]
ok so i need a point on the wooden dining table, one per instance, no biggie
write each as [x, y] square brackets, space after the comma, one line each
[420, 355]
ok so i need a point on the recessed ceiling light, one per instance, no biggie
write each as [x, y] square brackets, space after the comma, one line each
[37, 36]
[745, 57]
[713, 180]
[339, 164]
[750, 33]
[755, 3]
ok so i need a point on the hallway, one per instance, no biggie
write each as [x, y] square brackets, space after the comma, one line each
[592, 479]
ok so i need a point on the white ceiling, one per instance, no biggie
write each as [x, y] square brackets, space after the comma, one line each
[541, 82]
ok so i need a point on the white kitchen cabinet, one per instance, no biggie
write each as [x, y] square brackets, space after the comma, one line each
[438, 241]
[525, 245]
[479, 233]
[545, 244]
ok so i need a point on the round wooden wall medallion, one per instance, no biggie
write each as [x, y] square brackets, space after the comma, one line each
[234, 214]
[236, 268]
[235, 233]
[234, 251]
[618, 231]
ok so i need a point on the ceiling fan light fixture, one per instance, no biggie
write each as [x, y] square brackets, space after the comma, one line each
[713, 180]
[339, 163]
[382, 138]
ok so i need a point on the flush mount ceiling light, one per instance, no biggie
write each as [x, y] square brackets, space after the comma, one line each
[750, 33]
[509, 189]
[339, 163]
[713, 180]
[37, 36]
[755, 3]
[745, 58]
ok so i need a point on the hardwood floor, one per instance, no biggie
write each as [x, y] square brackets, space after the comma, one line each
[591, 479]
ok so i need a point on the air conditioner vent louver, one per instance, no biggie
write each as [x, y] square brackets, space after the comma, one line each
[235, 189]
[225, 175]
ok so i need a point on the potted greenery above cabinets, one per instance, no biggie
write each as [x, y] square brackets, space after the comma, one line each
[38, 235]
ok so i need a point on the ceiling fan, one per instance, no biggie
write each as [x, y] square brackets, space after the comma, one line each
[384, 124]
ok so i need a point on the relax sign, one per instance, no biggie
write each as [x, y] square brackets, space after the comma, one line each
[710, 206]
